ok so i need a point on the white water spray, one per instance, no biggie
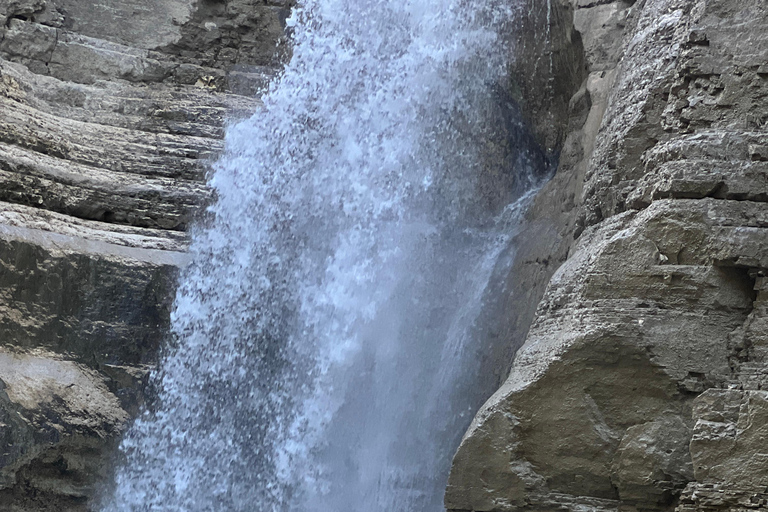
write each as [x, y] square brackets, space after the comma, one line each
[326, 347]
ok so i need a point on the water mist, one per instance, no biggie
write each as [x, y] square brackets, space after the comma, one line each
[326, 346]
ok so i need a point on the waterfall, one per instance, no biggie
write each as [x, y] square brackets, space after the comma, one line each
[326, 341]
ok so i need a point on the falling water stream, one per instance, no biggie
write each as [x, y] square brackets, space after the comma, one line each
[326, 346]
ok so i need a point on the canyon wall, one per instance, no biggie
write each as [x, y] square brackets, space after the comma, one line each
[641, 384]
[110, 115]
[640, 299]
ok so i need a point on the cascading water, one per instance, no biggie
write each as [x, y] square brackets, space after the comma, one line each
[326, 353]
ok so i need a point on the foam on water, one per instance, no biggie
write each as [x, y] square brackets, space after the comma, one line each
[325, 353]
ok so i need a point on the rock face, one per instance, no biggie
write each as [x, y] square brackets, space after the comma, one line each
[642, 300]
[643, 380]
[110, 114]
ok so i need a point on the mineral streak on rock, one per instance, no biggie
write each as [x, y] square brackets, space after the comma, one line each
[641, 384]
[110, 114]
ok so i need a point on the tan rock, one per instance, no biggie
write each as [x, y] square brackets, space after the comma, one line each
[105, 144]
[730, 439]
[653, 306]
[47, 403]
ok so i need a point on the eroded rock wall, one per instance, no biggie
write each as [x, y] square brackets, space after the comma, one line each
[110, 114]
[640, 273]
[642, 381]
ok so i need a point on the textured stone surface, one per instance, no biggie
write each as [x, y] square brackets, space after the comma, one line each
[110, 114]
[44, 399]
[718, 498]
[640, 278]
[729, 445]
[641, 382]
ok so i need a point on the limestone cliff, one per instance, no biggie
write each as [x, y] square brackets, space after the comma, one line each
[110, 114]
[640, 287]
[641, 384]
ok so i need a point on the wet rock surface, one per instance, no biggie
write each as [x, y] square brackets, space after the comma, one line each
[640, 303]
[641, 381]
[110, 116]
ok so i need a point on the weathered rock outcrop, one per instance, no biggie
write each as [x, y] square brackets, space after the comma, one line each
[110, 114]
[642, 381]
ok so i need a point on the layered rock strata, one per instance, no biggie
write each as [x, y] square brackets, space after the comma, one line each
[110, 116]
[641, 384]
[640, 275]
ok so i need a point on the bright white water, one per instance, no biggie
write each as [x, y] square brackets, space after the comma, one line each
[327, 351]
